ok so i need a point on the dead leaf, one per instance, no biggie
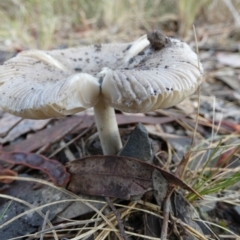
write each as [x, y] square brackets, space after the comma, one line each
[229, 77]
[54, 169]
[231, 125]
[23, 127]
[230, 59]
[185, 211]
[46, 136]
[151, 225]
[226, 157]
[7, 122]
[115, 176]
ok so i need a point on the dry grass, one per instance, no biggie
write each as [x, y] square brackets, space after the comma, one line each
[48, 24]
[104, 223]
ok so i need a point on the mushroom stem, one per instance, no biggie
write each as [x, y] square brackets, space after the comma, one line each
[107, 128]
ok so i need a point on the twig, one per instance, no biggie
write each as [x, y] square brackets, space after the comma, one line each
[70, 142]
[44, 148]
[118, 218]
[166, 211]
[44, 224]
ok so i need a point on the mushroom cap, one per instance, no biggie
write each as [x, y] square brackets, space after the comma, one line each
[158, 77]
[134, 77]
[42, 84]
[36, 85]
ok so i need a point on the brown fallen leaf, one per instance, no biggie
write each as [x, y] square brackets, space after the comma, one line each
[226, 157]
[7, 122]
[228, 76]
[46, 136]
[114, 176]
[13, 126]
[54, 169]
[231, 125]
[229, 59]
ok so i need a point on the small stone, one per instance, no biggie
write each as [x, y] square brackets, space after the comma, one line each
[138, 145]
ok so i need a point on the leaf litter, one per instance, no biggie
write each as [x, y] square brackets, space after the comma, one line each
[106, 176]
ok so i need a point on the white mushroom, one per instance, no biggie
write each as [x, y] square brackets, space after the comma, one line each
[150, 73]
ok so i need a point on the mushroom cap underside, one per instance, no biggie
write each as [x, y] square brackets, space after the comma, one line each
[132, 77]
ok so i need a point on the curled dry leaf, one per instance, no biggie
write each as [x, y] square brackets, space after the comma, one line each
[115, 176]
[55, 170]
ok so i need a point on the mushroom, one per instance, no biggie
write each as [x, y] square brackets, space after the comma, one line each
[153, 72]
